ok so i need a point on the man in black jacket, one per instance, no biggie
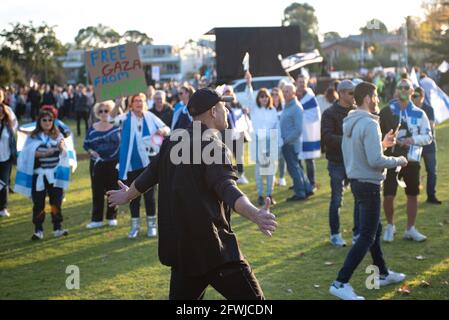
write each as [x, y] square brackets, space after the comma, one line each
[332, 135]
[194, 207]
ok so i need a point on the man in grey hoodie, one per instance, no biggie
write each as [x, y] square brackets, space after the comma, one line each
[366, 166]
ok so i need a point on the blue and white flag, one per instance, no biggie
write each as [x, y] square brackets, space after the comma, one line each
[311, 133]
[300, 60]
[437, 99]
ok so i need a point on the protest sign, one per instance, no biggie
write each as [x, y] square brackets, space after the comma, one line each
[116, 71]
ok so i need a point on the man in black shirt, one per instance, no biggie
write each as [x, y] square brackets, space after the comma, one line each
[196, 197]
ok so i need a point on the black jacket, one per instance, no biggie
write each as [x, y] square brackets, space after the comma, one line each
[194, 207]
[332, 131]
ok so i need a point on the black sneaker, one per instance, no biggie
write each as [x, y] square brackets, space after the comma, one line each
[295, 198]
[434, 200]
[261, 201]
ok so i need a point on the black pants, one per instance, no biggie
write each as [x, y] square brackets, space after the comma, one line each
[103, 176]
[149, 197]
[367, 197]
[235, 281]
[5, 172]
[81, 115]
[56, 195]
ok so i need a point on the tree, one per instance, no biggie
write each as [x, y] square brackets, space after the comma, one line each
[303, 15]
[10, 72]
[331, 35]
[34, 49]
[94, 37]
[372, 27]
[137, 37]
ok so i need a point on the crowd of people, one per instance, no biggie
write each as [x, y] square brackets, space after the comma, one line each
[124, 139]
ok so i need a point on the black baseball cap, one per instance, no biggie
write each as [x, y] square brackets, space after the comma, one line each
[204, 99]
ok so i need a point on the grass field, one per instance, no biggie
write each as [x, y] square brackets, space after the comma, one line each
[297, 263]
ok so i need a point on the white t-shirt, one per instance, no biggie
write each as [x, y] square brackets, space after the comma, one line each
[5, 150]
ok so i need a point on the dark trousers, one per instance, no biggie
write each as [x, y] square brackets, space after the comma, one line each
[34, 112]
[367, 196]
[149, 198]
[430, 161]
[301, 184]
[337, 174]
[103, 176]
[235, 281]
[56, 195]
[310, 170]
[5, 171]
[238, 148]
[81, 115]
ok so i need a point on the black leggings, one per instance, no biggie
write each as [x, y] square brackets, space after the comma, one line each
[149, 197]
[234, 280]
[104, 177]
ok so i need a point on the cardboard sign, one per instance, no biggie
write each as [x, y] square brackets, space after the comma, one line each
[115, 72]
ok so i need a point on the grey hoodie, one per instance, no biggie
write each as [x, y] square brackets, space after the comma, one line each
[362, 148]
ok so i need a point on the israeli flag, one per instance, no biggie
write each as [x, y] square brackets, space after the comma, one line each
[300, 60]
[437, 99]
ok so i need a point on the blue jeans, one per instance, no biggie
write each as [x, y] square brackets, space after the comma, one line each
[337, 174]
[310, 169]
[301, 184]
[259, 182]
[430, 160]
[367, 196]
[281, 164]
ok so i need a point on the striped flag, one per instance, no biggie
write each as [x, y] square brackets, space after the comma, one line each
[436, 98]
[300, 60]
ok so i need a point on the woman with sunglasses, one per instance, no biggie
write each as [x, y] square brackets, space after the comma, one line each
[142, 135]
[181, 116]
[264, 118]
[43, 169]
[102, 143]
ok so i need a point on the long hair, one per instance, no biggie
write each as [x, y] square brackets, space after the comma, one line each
[54, 131]
[7, 119]
[281, 101]
[261, 92]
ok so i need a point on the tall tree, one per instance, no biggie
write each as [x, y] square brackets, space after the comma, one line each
[303, 15]
[331, 35]
[96, 37]
[34, 48]
[137, 37]
[374, 26]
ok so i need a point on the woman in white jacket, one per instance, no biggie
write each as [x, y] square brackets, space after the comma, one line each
[265, 143]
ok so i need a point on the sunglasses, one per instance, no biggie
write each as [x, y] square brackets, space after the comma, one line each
[351, 93]
[406, 88]
[46, 120]
[416, 96]
[103, 111]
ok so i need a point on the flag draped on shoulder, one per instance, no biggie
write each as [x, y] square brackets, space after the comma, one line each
[311, 137]
[437, 99]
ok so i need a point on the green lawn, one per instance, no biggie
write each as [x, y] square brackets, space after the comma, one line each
[297, 263]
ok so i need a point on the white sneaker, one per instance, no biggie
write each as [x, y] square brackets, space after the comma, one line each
[337, 241]
[242, 180]
[392, 278]
[113, 223]
[37, 236]
[344, 291]
[4, 213]
[282, 182]
[390, 230]
[94, 225]
[60, 233]
[414, 235]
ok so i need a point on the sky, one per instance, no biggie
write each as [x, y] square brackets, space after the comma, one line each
[175, 22]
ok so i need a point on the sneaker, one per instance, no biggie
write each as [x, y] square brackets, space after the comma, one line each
[344, 291]
[337, 241]
[242, 180]
[113, 223]
[135, 228]
[60, 233]
[295, 199]
[95, 225]
[414, 235]
[389, 233]
[261, 201]
[392, 278]
[282, 182]
[434, 200]
[37, 236]
[273, 202]
[4, 213]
